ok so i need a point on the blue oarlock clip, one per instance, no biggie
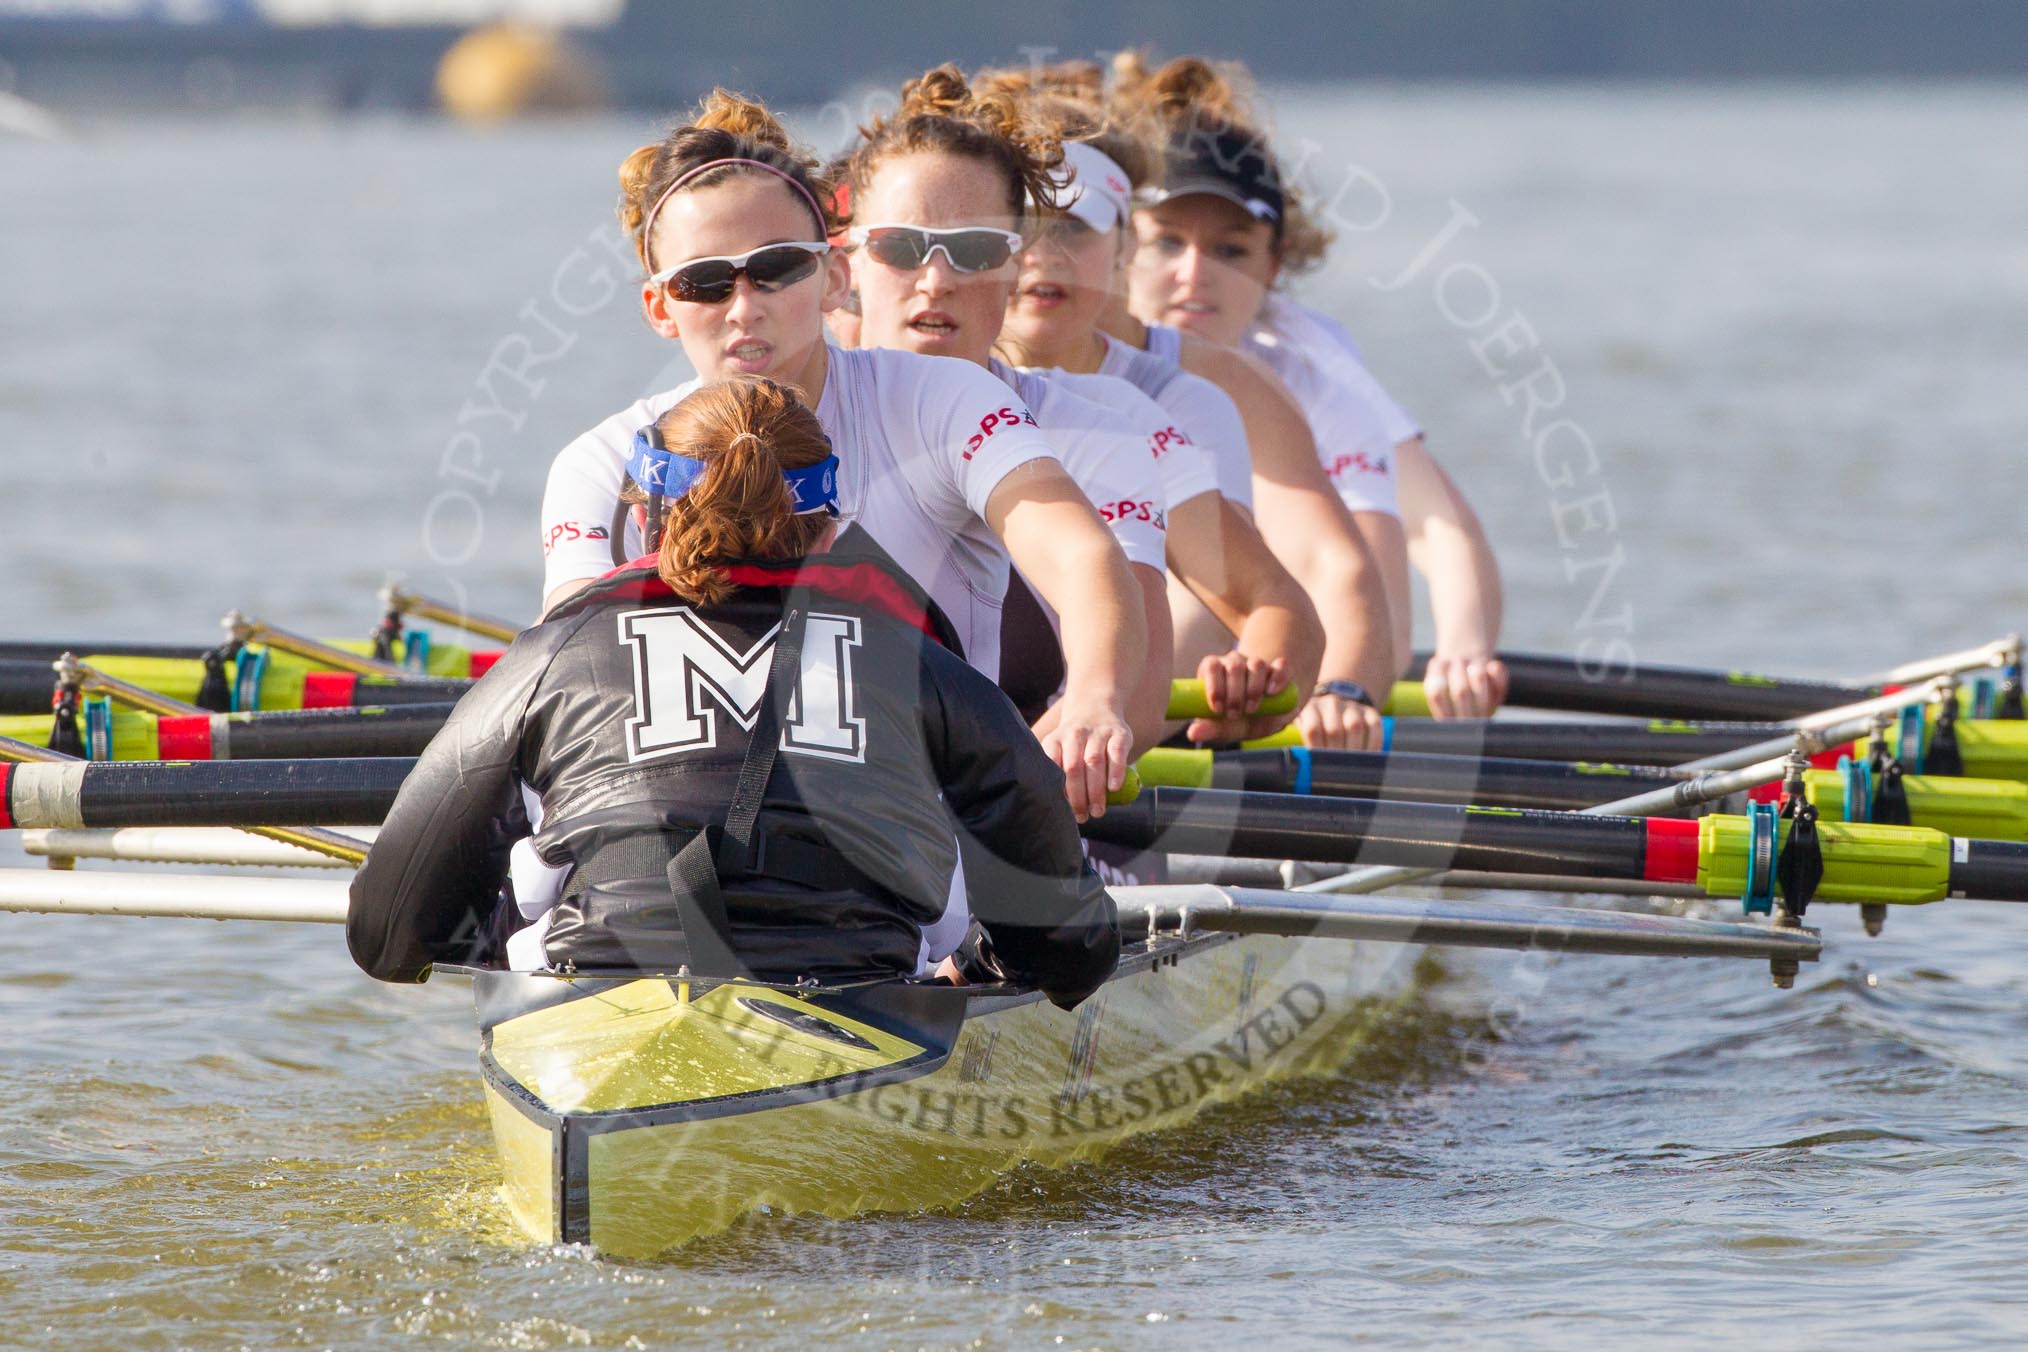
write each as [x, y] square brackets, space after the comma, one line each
[1858, 789]
[1763, 847]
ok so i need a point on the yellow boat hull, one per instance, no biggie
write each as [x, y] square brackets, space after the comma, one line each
[638, 1114]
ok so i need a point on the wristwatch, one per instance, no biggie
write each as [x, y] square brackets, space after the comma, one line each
[1351, 690]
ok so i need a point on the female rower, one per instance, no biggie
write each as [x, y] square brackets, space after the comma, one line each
[942, 192]
[753, 755]
[937, 463]
[1071, 290]
[1214, 238]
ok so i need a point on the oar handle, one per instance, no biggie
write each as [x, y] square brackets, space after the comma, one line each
[1187, 700]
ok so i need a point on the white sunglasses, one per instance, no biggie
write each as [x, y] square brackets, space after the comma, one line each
[710, 281]
[970, 248]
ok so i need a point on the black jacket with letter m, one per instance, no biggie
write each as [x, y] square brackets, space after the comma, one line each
[629, 711]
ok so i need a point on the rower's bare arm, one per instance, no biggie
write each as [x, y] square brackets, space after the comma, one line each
[1221, 558]
[1386, 542]
[1307, 526]
[559, 594]
[1061, 545]
[1148, 705]
[1448, 545]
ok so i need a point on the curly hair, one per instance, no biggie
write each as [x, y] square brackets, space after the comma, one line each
[725, 126]
[1069, 99]
[941, 113]
[1190, 95]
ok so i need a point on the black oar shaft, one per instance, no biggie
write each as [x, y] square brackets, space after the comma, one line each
[1990, 870]
[32, 650]
[403, 730]
[1551, 681]
[1357, 831]
[369, 691]
[1659, 743]
[26, 685]
[225, 793]
[1488, 781]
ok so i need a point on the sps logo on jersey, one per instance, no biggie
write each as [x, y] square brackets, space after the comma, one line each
[685, 675]
[998, 420]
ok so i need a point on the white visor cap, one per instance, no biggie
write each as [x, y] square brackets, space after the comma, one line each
[1091, 186]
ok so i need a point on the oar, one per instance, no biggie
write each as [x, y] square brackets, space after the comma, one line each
[1194, 909]
[1247, 910]
[1985, 809]
[1653, 743]
[1863, 862]
[1547, 681]
[52, 792]
[32, 650]
[403, 730]
[202, 897]
[27, 686]
[1728, 772]
[1989, 748]
[1488, 781]
[174, 845]
[72, 793]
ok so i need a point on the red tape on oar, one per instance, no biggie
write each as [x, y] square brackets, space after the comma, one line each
[329, 689]
[183, 737]
[1672, 851]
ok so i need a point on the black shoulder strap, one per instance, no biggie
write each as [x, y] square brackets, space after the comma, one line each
[767, 739]
[695, 872]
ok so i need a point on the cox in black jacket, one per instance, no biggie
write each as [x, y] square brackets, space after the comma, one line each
[629, 712]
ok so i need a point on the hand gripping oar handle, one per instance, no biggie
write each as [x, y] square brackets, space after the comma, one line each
[1187, 700]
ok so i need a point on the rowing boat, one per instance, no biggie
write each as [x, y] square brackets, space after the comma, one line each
[636, 1114]
[639, 1113]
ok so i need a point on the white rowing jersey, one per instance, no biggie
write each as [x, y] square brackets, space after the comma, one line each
[1108, 437]
[1328, 343]
[922, 442]
[1200, 412]
[1350, 429]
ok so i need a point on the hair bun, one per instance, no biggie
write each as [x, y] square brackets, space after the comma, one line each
[723, 110]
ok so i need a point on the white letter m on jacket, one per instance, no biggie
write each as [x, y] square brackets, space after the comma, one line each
[685, 675]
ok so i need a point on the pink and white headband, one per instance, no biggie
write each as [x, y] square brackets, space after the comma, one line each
[648, 221]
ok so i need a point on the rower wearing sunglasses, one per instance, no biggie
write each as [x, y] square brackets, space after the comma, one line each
[1069, 311]
[938, 463]
[935, 188]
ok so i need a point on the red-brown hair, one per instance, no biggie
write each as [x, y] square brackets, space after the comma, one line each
[1191, 96]
[746, 430]
[1069, 99]
[941, 114]
[726, 126]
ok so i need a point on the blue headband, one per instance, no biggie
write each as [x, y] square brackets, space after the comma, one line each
[667, 475]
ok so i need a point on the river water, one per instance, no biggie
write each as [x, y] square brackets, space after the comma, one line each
[266, 364]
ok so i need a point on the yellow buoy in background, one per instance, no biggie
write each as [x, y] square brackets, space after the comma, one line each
[506, 70]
